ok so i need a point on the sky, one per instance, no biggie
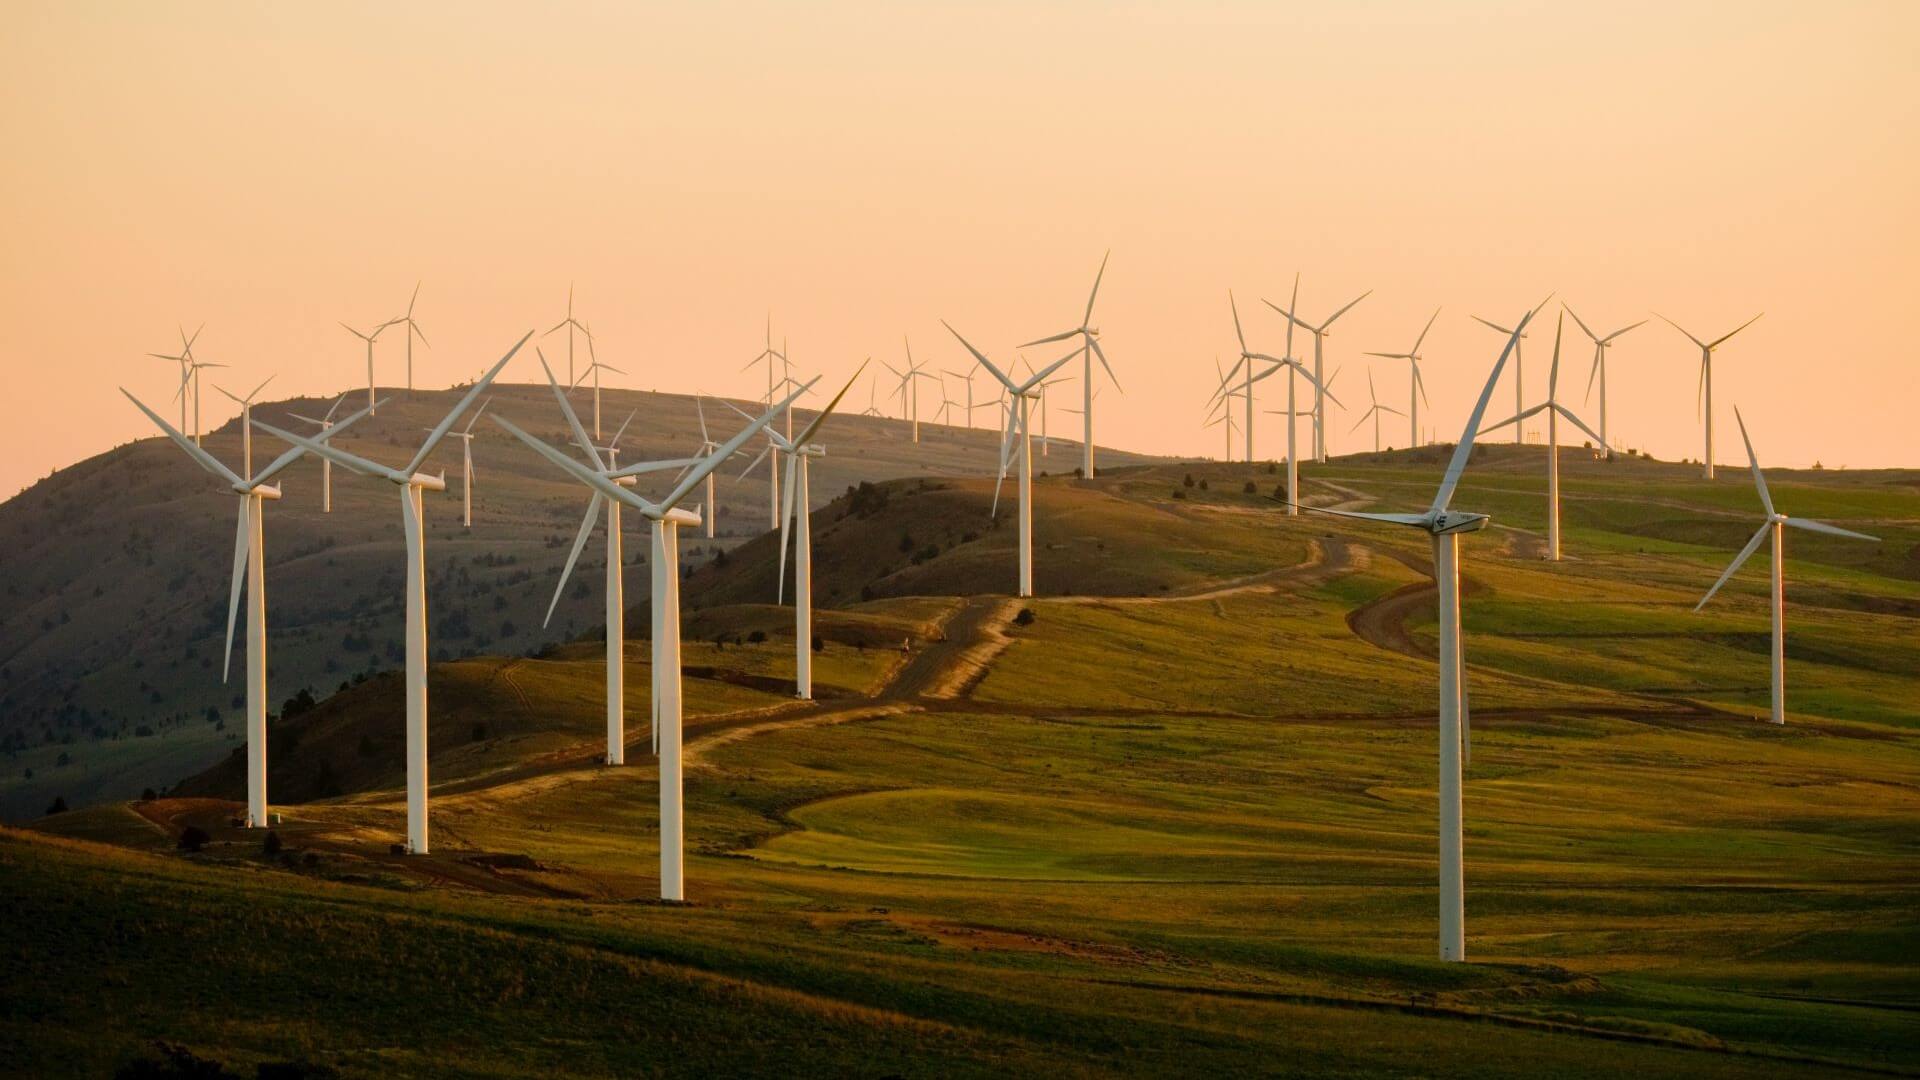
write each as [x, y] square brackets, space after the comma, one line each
[860, 171]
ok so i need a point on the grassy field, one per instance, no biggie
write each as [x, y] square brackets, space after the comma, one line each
[1180, 821]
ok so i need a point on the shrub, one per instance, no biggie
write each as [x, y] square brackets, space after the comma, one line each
[58, 805]
[172, 1062]
[479, 731]
[270, 846]
[148, 795]
[757, 637]
[1188, 482]
[1025, 618]
[1250, 488]
[193, 838]
[819, 643]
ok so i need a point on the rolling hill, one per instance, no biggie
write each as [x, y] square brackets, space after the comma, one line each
[116, 573]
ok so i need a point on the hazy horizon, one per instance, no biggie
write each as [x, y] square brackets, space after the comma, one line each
[863, 171]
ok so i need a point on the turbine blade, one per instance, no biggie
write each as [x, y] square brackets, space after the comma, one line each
[806, 436]
[573, 556]
[1753, 460]
[988, 364]
[353, 463]
[233, 594]
[1344, 310]
[293, 454]
[786, 515]
[573, 419]
[1415, 351]
[590, 477]
[713, 460]
[1088, 317]
[1582, 425]
[446, 422]
[1715, 343]
[1735, 564]
[1237, 332]
[200, 456]
[1568, 308]
[1108, 368]
[1624, 329]
[1464, 450]
[1831, 530]
[1684, 330]
[1062, 336]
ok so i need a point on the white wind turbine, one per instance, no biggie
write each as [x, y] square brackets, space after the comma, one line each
[1374, 412]
[465, 435]
[1293, 368]
[594, 368]
[1017, 443]
[710, 506]
[189, 377]
[1319, 358]
[369, 338]
[1445, 527]
[1246, 363]
[1599, 369]
[1418, 389]
[1773, 529]
[1221, 406]
[770, 355]
[570, 324]
[326, 465]
[1705, 391]
[249, 558]
[799, 452]
[909, 391]
[1554, 411]
[603, 458]
[1519, 367]
[246, 422]
[411, 483]
[1089, 336]
[413, 330]
[966, 377]
[666, 518]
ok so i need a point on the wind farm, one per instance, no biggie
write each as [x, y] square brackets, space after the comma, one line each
[693, 717]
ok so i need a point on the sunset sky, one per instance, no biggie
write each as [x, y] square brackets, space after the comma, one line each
[864, 170]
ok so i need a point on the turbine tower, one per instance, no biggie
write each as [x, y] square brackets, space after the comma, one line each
[1774, 529]
[571, 324]
[707, 446]
[1705, 392]
[249, 559]
[411, 483]
[769, 354]
[594, 368]
[1418, 390]
[1089, 346]
[1019, 427]
[326, 465]
[799, 452]
[1445, 526]
[369, 337]
[1554, 410]
[1319, 361]
[1600, 345]
[666, 518]
[413, 331]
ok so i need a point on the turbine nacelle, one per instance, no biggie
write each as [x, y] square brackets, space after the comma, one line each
[1453, 521]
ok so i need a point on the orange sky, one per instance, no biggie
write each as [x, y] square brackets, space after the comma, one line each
[864, 170]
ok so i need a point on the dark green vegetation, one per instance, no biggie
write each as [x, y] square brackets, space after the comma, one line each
[114, 572]
[1186, 827]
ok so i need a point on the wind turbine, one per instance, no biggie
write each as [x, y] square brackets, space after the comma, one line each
[1599, 368]
[909, 392]
[799, 452]
[1319, 355]
[465, 435]
[1519, 368]
[1374, 412]
[1705, 391]
[326, 465]
[570, 324]
[372, 406]
[194, 367]
[594, 368]
[246, 422]
[966, 377]
[1019, 426]
[873, 387]
[1293, 368]
[1246, 362]
[413, 330]
[1554, 411]
[249, 558]
[667, 518]
[411, 483]
[1773, 529]
[187, 365]
[1090, 345]
[1418, 389]
[616, 608]
[770, 354]
[1445, 526]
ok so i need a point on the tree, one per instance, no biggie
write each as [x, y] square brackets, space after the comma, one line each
[58, 806]
[193, 838]
[270, 846]
[1025, 618]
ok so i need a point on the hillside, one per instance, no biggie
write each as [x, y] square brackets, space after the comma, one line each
[116, 573]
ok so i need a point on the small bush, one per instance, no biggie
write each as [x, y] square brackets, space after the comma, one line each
[479, 731]
[58, 806]
[756, 637]
[193, 838]
[1250, 488]
[1188, 482]
[271, 845]
[1025, 618]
